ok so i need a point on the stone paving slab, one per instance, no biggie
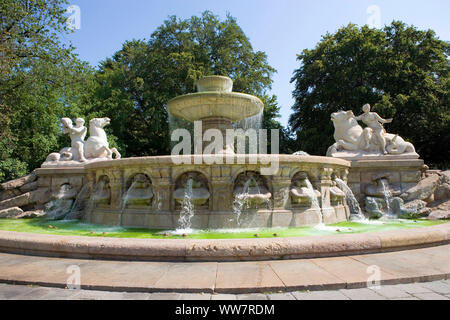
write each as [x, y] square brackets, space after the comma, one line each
[223, 296]
[320, 295]
[430, 296]
[20, 292]
[354, 272]
[411, 263]
[246, 277]
[281, 296]
[442, 287]
[362, 294]
[413, 288]
[426, 264]
[201, 277]
[305, 274]
[254, 296]
[391, 292]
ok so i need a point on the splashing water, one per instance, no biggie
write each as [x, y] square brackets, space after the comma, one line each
[78, 209]
[314, 201]
[315, 204]
[187, 209]
[240, 202]
[253, 122]
[60, 206]
[387, 196]
[98, 187]
[355, 209]
[125, 201]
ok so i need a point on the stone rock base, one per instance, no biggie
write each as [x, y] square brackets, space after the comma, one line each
[403, 174]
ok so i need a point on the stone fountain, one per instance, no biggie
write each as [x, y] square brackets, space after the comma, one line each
[216, 106]
[383, 165]
[160, 191]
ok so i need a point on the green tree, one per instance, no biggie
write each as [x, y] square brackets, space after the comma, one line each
[401, 71]
[41, 81]
[135, 84]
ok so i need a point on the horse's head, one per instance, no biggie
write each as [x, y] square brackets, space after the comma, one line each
[100, 122]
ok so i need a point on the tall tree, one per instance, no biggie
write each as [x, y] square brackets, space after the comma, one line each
[401, 71]
[41, 80]
[136, 83]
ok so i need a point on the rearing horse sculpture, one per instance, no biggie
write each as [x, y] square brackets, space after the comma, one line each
[97, 146]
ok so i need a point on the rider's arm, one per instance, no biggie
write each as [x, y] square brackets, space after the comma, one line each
[380, 119]
[78, 130]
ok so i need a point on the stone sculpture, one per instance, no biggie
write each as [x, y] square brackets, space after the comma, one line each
[96, 147]
[251, 187]
[198, 193]
[77, 135]
[302, 192]
[354, 141]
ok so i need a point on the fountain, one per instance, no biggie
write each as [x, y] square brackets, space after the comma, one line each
[250, 195]
[61, 203]
[305, 197]
[187, 207]
[227, 185]
[355, 210]
[80, 205]
[380, 195]
[139, 194]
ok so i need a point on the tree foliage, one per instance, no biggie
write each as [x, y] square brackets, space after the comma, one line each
[41, 81]
[401, 71]
[135, 84]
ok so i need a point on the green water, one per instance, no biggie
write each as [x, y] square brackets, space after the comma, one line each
[76, 228]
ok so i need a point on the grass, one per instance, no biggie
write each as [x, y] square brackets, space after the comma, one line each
[76, 228]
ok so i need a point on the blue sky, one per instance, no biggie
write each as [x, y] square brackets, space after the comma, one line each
[280, 28]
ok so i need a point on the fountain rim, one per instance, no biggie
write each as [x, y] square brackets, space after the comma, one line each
[230, 99]
[261, 159]
[227, 249]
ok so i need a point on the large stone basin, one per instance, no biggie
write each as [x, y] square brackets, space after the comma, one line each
[219, 179]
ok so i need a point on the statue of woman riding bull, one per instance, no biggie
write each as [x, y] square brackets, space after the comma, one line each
[373, 139]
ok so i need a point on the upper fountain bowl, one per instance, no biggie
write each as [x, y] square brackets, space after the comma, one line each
[215, 83]
[215, 100]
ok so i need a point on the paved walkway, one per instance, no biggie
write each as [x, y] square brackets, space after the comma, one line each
[418, 265]
[437, 290]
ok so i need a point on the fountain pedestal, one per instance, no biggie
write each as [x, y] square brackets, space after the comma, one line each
[222, 125]
[404, 173]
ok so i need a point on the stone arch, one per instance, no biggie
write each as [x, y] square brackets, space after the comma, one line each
[201, 184]
[244, 175]
[102, 190]
[138, 190]
[137, 175]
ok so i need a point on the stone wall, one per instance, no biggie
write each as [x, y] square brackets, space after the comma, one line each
[163, 212]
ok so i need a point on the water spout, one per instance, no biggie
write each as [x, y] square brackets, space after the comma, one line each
[125, 201]
[61, 205]
[187, 207]
[387, 197]
[79, 206]
[314, 201]
[241, 200]
[252, 195]
[355, 210]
